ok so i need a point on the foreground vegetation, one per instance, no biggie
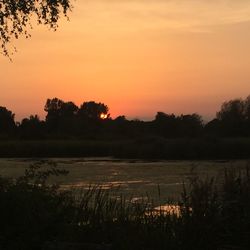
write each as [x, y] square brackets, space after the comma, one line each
[209, 215]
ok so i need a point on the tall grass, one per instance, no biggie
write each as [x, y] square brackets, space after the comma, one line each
[148, 147]
[210, 215]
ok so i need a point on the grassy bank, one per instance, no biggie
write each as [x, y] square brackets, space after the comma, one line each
[141, 148]
[35, 215]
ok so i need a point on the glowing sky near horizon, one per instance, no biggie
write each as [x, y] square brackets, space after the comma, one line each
[136, 56]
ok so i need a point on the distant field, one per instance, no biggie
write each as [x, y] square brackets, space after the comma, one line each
[133, 177]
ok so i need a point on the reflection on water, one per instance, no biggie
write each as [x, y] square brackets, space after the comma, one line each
[107, 185]
[168, 209]
[135, 179]
[132, 177]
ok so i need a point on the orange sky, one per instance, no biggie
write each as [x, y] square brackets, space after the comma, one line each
[137, 56]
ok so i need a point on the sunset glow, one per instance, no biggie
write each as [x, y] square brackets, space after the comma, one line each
[138, 57]
[103, 116]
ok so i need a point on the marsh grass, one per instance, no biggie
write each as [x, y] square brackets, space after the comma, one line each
[210, 215]
[144, 147]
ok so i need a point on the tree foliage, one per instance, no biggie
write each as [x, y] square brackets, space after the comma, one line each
[234, 117]
[7, 122]
[60, 115]
[232, 111]
[17, 16]
[93, 110]
[170, 125]
[32, 127]
[64, 119]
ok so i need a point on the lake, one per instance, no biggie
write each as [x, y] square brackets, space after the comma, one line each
[132, 177]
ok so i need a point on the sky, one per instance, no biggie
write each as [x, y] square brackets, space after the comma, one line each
[137, 56]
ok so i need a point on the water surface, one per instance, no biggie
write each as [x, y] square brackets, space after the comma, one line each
[132, 177]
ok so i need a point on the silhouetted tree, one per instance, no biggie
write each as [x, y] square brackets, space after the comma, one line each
[53, 107]
[117, 127]
[7, 123]
[247, 108]
[232, 111]
[93, 111]
[16, 15]
[32, 128]
[214, 127]
[175, 126]
[247, 115]
[92, 118]
[136, 128]
[165, 124]
[60, 115]
[190, 125]
[120, 119]
[232, 117]
[161, 117]
[68, 118]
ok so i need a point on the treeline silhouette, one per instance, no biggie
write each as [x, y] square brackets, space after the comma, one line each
[92, 120]
[89, 131]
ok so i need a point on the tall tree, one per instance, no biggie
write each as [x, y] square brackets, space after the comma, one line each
[7, 123]
[232, 111]
[60, 115]
[247, 108]
[232, 117]
[53, 108]
[16, 17]
[32, 128]
[190, 125]
[93, 110]
[165, 124]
